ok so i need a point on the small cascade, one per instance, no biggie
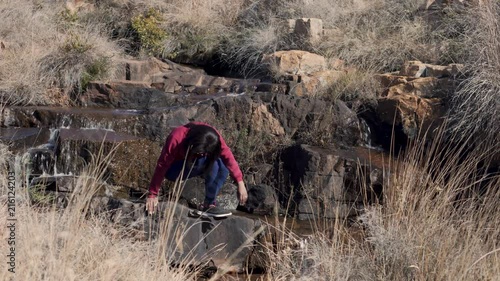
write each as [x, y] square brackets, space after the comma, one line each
[365, 133]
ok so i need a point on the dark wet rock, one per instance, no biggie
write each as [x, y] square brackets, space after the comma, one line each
[20, 139]
[59, 183]
[262, 199]
[324, 181]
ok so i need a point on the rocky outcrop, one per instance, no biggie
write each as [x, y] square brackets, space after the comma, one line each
[328, 182]
[155, 76]
[126, 94]
[305, 73]
[294, 62]
[224, 243]
[415, 99]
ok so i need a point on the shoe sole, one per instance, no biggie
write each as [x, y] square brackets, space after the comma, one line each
[209, 215]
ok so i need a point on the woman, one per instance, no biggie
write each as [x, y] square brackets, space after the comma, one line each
[207, 155]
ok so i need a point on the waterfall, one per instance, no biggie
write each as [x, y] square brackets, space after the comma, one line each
[365, 133]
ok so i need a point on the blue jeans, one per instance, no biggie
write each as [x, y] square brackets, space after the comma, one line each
[213, 180]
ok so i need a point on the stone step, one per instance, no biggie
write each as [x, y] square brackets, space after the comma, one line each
[21, 139]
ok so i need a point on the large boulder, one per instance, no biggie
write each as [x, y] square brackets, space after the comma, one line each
[328, 183]
[225, 243]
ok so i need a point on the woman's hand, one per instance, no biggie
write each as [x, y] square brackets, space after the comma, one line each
[242, 193]
[151, 204]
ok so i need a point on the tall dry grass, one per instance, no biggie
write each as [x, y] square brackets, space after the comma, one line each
[476, 104]
[439, 221]
[73, 244]
[49, 54]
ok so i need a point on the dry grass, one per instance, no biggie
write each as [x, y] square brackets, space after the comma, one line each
[71, 244]
[439, 221]
[52, 53]
[476, 104]
[47, 49]
[377, 35]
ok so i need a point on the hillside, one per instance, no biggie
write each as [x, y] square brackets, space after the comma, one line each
[367, 132]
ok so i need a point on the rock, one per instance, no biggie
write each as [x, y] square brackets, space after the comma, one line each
[263, 121]
[193, 192]
[315, 83]
[259, 174]
[414, 114]
[294, 62]
[418, 69]
[141, 70]
[326, 182]
[306, 30]
[189, 241]
[413, 69]
[440, 71]
[262, 199]
[171, 77]
[387, 80]
[59, 183]
[415, 99]
[125, 94]
[20, 139]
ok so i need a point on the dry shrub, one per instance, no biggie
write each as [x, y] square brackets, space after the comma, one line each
[48, 49]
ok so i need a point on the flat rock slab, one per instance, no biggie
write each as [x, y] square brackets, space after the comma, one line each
[126, 94]
[22, 138]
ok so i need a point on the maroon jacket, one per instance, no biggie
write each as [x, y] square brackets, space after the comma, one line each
[174, 150]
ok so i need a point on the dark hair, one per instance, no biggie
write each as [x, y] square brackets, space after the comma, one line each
[203, 139]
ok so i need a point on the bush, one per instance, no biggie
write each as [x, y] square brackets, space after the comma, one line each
[149, 29]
